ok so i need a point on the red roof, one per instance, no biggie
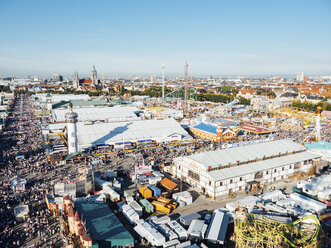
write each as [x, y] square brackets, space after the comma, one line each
[87, 80]
[248, 127]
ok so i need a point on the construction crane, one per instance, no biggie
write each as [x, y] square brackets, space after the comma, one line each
[186, 87]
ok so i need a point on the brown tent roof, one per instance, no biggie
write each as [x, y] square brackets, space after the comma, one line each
[168, 184]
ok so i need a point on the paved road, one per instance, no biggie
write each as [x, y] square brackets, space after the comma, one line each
[204, 204]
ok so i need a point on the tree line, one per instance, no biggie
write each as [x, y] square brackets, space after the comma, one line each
[309, 106]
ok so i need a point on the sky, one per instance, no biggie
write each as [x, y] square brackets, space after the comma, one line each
[135, 37]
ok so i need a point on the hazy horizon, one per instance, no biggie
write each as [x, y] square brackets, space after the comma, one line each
[238, 38]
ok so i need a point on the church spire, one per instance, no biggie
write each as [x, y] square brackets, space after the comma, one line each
[75, 80]
[94, 77]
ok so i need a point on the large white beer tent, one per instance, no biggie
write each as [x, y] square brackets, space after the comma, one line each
[117, 133]
[228, 170]
[116, 113]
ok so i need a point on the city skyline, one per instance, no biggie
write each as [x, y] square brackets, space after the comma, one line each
[218, 38]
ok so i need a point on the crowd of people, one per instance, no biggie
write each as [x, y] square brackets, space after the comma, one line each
[23, 156]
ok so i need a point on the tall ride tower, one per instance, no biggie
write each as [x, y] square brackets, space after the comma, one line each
[318, 124]
[71, 120]
[163, 67]
[186, 87]
[94, 77]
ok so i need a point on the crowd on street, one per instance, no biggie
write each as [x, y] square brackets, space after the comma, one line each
[23, 156]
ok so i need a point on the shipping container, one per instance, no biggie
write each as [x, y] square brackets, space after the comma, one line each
[177, 228]
[146, 192]
[160, 220]
[307, 203]
[187, 219]
[197, 230]
[184, 244]
[163, 199]
[136, 207]
[147, 231]
[161, 206]
[273, 196]
[171, 243]
[156, 190]
[167, 232]
[217, 228]
[129, 213]
[184, 196]
[148, 207]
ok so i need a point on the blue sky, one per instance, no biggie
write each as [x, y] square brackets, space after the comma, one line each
[237, 37]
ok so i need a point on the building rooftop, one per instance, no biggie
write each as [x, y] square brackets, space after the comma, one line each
[319, 145]
[79, 104]
[103, 225]
[98, 113]
[206, 127]
[254, 129]
[241, 170]
[62, 97]
[129, 131]
[247, 153]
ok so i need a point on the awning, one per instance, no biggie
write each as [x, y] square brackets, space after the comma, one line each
[74, 154]
[102, 145]
[122, 143]
[252, 182]
[145, 140]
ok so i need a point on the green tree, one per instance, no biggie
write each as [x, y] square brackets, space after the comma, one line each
[309, 106]
[226, 88]
[214, 97]
[245, 101]
[273, 94]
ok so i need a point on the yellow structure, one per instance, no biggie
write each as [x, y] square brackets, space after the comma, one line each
[255, 231]
[296, 118]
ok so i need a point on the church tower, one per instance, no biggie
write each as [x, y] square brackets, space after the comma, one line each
[94, 77]
[75, 80]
